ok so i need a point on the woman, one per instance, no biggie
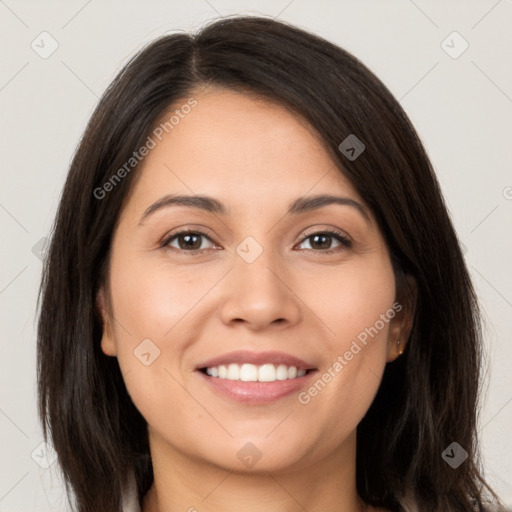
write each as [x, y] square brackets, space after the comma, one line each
[254, 297]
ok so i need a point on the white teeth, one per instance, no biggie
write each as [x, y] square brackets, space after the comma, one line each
[267, 373]
[248, 372]
[233, 372]
[282, 372]
[252, 373]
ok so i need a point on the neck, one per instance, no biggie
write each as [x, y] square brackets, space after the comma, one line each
[185, 483]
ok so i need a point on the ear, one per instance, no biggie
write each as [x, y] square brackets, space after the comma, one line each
[108, 345]
[400, 325]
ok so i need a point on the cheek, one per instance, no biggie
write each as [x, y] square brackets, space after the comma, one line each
[150, 306]
[156, 308]
[350, 300]
[151, 297]
[359, 311]
[356, 308]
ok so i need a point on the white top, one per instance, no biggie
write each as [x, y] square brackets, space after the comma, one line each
[130, 498]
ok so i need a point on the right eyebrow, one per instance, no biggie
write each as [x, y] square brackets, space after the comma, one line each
[205, 203]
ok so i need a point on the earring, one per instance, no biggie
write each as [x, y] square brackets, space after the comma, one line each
[400, 350]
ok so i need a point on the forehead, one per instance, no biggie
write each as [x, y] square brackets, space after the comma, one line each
[238, 147]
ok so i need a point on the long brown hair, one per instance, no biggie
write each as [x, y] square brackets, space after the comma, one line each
[427, 398]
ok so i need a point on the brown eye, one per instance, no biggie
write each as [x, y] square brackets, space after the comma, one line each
[322, 241]
[187, 241]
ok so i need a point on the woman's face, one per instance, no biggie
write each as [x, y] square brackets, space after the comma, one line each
[253, 277]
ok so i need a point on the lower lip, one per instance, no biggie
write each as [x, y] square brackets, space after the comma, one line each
[257, 392]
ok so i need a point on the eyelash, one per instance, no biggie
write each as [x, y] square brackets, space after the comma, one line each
[346, 243]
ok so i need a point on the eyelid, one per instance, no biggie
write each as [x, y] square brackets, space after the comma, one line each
[329, 230]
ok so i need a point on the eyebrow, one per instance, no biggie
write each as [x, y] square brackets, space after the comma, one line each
[212, 205]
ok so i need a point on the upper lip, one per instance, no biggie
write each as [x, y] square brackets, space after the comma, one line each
[256, 358]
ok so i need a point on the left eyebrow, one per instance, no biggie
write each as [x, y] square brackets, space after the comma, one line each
[212, 205]
[308, 203]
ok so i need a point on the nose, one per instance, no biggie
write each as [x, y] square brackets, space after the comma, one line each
[259, 295]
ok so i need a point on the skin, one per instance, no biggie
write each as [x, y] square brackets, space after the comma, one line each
[255, 157]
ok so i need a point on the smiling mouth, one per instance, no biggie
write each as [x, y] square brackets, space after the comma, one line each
[276, 383]
[256, 373]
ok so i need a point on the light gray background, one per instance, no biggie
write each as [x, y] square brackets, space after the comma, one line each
[461, 108]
